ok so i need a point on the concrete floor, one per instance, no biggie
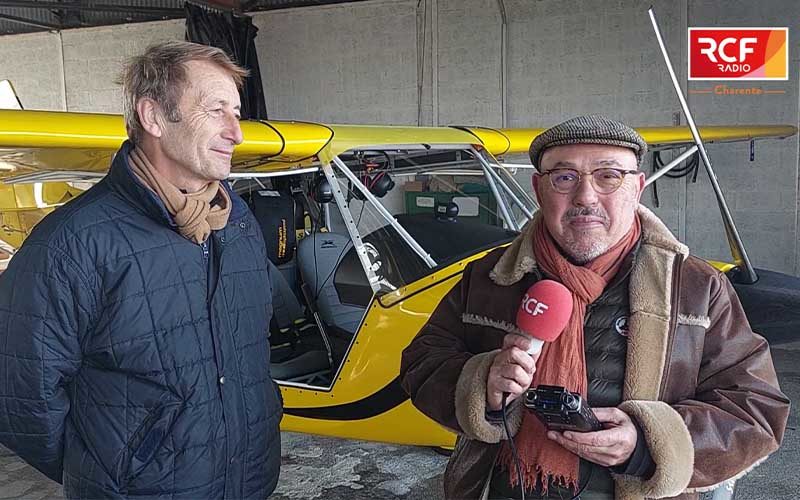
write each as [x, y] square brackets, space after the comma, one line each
[334, 469]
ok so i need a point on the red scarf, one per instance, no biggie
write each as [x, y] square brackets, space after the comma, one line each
[562, 362]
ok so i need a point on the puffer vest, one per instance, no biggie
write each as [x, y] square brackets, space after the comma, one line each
[606, 346]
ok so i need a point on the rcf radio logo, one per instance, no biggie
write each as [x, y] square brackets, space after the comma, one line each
[738, 54]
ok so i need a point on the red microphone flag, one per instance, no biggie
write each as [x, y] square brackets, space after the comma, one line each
[544, 312]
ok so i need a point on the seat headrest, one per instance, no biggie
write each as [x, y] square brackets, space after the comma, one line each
[323, 193]
[275, 213]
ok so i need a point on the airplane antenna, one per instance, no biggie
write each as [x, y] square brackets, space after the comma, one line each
[746, 270]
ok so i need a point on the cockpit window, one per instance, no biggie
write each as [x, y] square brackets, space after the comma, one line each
[441, 199]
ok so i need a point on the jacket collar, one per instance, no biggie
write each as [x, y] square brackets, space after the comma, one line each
[122, 180]
[519, 260]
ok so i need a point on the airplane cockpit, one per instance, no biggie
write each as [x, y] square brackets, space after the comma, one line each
[342, 235]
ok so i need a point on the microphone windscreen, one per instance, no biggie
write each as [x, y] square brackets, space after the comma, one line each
[545, 310]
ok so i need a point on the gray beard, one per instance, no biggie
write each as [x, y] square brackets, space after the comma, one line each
[584, 256]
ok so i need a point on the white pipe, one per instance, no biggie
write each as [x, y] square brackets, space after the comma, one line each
[674, 163]
[503, 63]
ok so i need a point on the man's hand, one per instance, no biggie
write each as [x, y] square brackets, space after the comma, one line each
[609, 447]
[511, 371]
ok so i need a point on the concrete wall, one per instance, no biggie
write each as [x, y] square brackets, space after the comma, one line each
[76, 70]
[90, 81]
[763, 193]
[34, 65]
[354, 63]
[440, 62]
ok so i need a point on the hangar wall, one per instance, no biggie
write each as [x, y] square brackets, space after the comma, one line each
[90, 81]
[439, 62]
[762, 194]
[32, 63]
[76, 70]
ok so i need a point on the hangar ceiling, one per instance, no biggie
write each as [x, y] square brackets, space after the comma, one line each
[26, 16]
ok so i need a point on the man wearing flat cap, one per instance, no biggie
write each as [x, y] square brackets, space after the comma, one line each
[657, 343]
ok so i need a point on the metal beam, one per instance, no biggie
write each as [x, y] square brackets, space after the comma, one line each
[288, 4]
[30, 22]
[674, 163]
[222, 5]
[352, 229]
[748, 272]
[92, 6]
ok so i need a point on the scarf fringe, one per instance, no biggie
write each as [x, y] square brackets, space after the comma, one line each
[536, 478]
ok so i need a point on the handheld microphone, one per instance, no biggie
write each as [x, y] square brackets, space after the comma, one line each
[544, 312]
[542, 315]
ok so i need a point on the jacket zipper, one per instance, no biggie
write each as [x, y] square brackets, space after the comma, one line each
[204, 248]
[673, 320]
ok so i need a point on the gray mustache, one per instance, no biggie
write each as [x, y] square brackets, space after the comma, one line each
[582, 212]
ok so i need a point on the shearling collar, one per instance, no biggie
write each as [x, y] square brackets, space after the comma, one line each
[518, 259]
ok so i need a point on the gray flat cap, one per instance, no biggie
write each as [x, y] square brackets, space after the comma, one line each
[588, 129]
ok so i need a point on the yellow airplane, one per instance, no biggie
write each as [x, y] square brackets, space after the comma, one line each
[368, 226]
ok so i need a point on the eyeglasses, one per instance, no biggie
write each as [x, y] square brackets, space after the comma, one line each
[604, 180]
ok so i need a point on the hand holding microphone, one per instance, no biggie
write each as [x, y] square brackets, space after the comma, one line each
[542, 315]
[511, 371]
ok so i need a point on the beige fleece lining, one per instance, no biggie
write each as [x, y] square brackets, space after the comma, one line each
[656, 233]
[505, 326]
[650, 295]
[651, 309]
[471, 402]
[517, 260]
[671, 446]
[694, 320]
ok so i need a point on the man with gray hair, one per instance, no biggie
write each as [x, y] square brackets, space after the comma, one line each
[657, 342]
[134, 320]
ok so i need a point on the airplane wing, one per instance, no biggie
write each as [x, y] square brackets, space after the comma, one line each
[47, 141]
[37, 141]
[517, 141]
[55, 147]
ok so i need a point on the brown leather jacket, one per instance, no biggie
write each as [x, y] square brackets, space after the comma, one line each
[698, 381]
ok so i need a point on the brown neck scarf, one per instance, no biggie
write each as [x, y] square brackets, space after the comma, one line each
[193, 212]
[563, 361]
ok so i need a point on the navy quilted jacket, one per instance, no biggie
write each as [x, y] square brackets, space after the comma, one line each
[134, 362]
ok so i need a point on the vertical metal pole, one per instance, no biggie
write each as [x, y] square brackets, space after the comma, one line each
[737, 247]
[435, 63]
[522, 191]
[503, 63]
[501, 202]
[351, 228]
[505, 187]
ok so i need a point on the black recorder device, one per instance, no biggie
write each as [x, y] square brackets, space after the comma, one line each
[560, 409]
